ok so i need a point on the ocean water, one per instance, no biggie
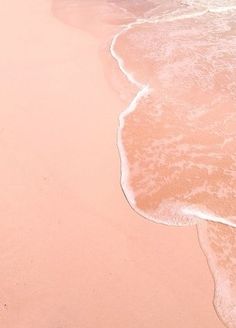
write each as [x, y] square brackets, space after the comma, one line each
[177, 137]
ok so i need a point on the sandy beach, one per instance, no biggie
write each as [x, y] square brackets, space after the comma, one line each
[73, 252]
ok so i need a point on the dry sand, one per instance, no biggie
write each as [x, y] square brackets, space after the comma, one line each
[73, 253]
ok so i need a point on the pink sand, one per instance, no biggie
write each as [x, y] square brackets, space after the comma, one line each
[73, 253]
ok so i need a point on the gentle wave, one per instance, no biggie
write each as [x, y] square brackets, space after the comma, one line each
[139, 168]
[144, 90]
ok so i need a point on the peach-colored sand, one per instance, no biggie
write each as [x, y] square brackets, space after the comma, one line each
[73, 253]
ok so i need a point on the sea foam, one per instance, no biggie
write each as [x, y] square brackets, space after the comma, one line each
[210, 205]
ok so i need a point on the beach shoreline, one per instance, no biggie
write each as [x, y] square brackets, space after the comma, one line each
[73, 252]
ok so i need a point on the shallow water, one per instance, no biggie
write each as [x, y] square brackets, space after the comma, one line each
[177, 142]
[177, 137]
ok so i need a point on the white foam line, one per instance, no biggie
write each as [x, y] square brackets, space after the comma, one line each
[124, 163]
[188, 210]
[120, 60]
[143, 91]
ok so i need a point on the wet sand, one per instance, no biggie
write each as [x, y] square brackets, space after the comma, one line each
[73, 253]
